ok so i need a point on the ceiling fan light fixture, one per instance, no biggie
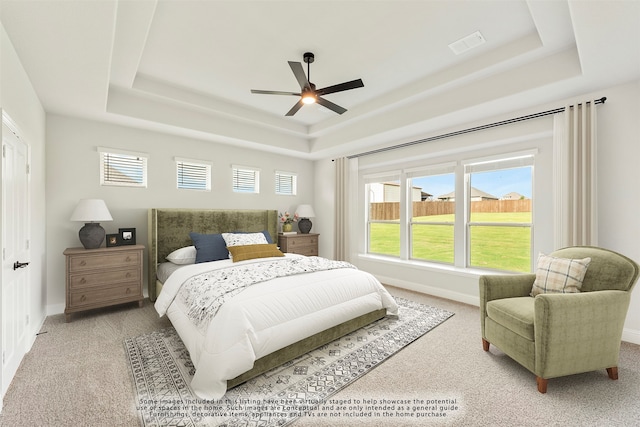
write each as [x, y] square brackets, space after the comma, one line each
[308, 98]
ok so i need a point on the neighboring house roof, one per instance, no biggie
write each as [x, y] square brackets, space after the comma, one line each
[513, 196]
[475, 193]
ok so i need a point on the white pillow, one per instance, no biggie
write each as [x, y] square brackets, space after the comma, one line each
[186, 255]
[242, 239]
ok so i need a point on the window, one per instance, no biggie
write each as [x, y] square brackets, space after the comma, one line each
[499, 218]
[246, 179]
[383, 215]
[286, 183]
[432, 214]
[476, 213]
[193, 174]
[122, 168]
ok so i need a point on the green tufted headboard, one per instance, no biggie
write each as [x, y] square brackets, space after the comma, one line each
[169, 230]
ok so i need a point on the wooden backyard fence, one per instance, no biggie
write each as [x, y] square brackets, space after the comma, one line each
[391, 210]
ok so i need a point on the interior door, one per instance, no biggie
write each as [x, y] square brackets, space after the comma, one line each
[15, 252]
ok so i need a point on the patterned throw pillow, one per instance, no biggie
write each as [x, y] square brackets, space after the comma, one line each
[240, 239]
[245, 252]
[559, 275]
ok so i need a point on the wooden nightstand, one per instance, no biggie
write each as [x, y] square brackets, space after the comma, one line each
[103, 277]
[303, 244]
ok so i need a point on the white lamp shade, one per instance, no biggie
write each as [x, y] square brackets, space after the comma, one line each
[305, 211]
[91, 210]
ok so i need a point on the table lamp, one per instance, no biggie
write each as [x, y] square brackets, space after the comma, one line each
[304, 213]
[91, 212]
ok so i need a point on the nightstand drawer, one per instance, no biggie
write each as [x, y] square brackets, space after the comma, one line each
[89, 280]
[91, 262]
[303, 250]
[302, 242]
[129, 291]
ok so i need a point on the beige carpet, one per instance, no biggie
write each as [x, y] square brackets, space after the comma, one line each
[76, 374]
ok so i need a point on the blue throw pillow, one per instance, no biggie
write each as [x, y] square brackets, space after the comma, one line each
[209, 247]
[265, 232]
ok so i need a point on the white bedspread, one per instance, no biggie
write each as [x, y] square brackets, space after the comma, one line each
[265, 317]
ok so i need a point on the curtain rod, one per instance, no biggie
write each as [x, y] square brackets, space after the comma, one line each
[469, 130]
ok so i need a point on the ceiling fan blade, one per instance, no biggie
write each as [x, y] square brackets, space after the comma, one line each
[295, 108]
[330, 105]
[298, 71]
[273, 92]
[354, 84]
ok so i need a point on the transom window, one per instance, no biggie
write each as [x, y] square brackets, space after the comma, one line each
[193, 174]
[286, 183]
[122, 168]
[246, 179]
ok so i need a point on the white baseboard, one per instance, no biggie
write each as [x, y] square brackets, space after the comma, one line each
[431, 290]
[630, 335]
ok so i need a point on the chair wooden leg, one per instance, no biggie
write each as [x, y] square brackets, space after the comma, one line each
[485, 345]
[613, 372]
[542, 384]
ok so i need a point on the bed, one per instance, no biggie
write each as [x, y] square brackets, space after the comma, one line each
[267, 323]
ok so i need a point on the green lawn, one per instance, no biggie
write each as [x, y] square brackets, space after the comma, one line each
[504, 248]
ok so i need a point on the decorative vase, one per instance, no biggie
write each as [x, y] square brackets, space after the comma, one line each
[304, 225]
[287, 227]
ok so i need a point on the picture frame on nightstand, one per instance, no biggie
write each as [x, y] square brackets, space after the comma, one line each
[113, 240]
[127, 236]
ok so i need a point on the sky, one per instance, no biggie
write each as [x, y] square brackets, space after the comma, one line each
[497, 183]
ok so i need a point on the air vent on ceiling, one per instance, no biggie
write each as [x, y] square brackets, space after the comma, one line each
[467, 43]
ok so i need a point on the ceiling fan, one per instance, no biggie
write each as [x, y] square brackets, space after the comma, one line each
[308, 92]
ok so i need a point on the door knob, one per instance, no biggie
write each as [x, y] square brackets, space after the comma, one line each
[18, 264]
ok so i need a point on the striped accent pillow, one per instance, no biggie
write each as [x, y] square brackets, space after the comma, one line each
[245, 252]
[559, 275]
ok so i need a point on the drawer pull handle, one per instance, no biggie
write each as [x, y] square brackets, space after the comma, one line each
[83, 262]
[128, 259]
[128, 275]
[128, 291]
[83, 281]
[83, 298]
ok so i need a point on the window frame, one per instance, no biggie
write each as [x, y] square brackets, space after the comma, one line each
[391, 176]
[142, 167]
[255, 181]
[430, 170]
[496, 163]
[199, 166]
[294, 183]
[461, 259]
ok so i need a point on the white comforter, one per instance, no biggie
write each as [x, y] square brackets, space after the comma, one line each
[265, 317]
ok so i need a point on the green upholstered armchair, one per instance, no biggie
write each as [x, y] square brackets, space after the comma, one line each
[552, 334]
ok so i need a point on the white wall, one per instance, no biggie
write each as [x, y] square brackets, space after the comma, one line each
[73, 173]
[19, 101]
[618, 204]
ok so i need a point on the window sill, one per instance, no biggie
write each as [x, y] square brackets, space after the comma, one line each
[432, 266]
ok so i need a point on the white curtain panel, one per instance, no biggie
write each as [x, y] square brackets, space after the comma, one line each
[346, 178]
[575, 176]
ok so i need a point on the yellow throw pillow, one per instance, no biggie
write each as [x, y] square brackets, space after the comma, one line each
[243, 253]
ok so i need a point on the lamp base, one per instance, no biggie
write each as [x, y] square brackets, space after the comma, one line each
[91, 235]
[304, 225]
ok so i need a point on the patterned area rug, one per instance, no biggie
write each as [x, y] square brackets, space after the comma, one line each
[162, 371]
